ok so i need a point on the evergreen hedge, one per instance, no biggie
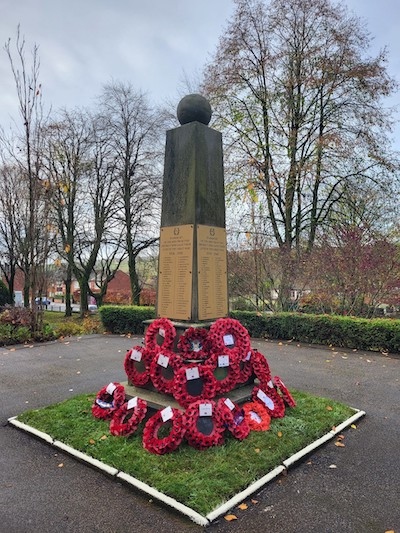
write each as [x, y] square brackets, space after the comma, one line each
[379, 334]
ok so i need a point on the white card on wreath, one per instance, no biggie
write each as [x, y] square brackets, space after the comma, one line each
[161, 332]
[228, 402]
[136, 355]
[192, 373]
[266, 399]
[270, 384]
[223, 361]
[132, 403]
[228, 340]
[248, 356]
[167, 414]
[205, 409]
[163, 360]
[111, 388]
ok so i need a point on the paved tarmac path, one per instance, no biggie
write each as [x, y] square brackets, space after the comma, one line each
[361, 495]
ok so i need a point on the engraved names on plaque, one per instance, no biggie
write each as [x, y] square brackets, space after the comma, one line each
[175, 272]
[212, 272]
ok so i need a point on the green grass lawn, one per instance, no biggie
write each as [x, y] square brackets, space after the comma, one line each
[201, 480]
[73, 325]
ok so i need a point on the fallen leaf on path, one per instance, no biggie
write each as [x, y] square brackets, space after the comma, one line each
[60, 465]
[353, 426]
[339, 444]
[243, 506]
[332, 466]
[254, 501]
[230, 517]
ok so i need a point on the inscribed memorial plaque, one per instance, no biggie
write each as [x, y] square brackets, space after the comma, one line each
[212, 272]
[175, 272]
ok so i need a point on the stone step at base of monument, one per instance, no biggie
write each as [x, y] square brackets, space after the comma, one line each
[157, 400]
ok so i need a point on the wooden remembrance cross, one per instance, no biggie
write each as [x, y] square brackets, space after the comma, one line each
[192, 277]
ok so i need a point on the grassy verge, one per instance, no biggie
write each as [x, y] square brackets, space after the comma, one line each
[201, 480]
[75, 325]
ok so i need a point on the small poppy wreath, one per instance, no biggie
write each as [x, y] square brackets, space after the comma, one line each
[227, 333]
[163, 369]
[270, 399]
[193, 382]
[228, 360]
[256, 416]
[287, 397]
[137, 365]
[245, 369]
[108, 400]
[193, 343]
[234, 419]
[160, 328]
[152, 442]
[201, 435]
[127, 418]
[260, 366]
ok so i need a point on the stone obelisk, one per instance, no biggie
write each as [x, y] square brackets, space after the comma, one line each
[192, 277]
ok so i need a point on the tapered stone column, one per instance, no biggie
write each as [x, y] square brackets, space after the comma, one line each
[192, 280]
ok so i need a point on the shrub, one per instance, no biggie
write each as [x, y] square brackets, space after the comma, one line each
[125, 319]
[5, 296]
[68, 329]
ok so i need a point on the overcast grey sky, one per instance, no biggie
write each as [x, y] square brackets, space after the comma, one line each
[152, 44]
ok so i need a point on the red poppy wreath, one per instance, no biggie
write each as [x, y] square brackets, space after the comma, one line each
[193, 382]
[128, 417]
[233, 417]
[245, 369]
[260, 366]
[256, 416]
[163, 369]
[108, 400]
[152, 442]
[194, 343]
[225, 368]
[287, 397]
[160, 335]
[228, 333]
[137, 365]
[203, 425]
[270, 399]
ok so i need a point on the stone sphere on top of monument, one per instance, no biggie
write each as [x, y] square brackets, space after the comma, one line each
[194, 108]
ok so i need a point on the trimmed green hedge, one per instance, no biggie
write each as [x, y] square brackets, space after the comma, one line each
[378, 334]
[125, 318]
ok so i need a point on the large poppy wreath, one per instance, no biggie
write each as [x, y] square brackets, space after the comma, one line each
[194, 343]
[169, 418]
[160, 335]
[260, 366]
[228, 333]
[233, 417]
[163, 369]
[108, 400]
[203, 425]
[193, 382]
[137, 365]
[256, 416]
[246, 372]
[225, 368]
[128, 417]
[284, 391]
[270, 399]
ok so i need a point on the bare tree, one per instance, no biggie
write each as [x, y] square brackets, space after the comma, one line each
[135, 130]
[302, 110]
